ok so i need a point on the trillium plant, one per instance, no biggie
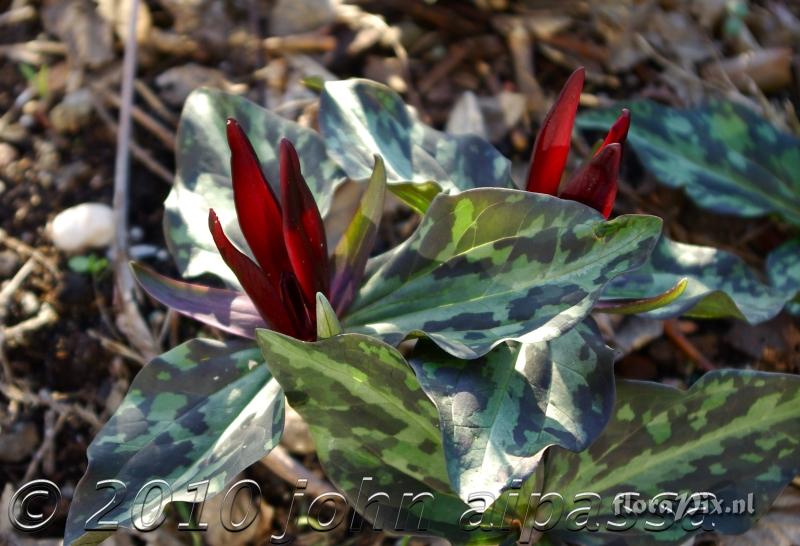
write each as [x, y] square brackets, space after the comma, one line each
[455, 385]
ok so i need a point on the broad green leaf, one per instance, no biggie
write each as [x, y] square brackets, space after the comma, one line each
[370, 418]
[726, 157]
[734, 433]
[229, 310]
[360, 118]
[203, 174]
[498, 413]
[489, 265]
[719, 284]
[352, 252]
[205, 410]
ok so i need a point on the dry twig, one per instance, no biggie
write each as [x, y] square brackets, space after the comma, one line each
[22, 248]
[142, 155]
[129, 320]
[674, 334]
[166, 136]
[52, 426]
[155, 102]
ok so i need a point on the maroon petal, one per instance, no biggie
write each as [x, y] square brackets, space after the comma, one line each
[595, 184]
[619, 131]
[257, 208]
[303, 230]
[550, 151]
[266, 299]
[304, 321]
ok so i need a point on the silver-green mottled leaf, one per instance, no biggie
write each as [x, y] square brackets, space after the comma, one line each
[489, 265]
[719, 284]
[726, 157]
[369, 417]
[203, 174]
[783, 267]
[361, 118]
[499, 412]
[734, 433]
[205, 410]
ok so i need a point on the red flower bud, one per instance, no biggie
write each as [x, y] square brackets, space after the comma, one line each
[595, 184]
[552, 144]
[303, 230]
[265, 297]
[257, 209]
[619, 131]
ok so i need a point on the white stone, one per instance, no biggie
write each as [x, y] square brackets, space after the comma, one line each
[88, 225]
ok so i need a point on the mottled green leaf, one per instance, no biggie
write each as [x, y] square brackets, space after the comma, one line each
[489, 265]
[370, 418]
[352, 252]
[205, 410]
[726, 157]
[783, 267]
[734, 433]
[498, 413]
[719, 284]
[203, 174]
[360, 119]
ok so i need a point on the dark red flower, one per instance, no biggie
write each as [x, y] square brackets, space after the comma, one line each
[287, 239]
[288, 264]
[594, 184]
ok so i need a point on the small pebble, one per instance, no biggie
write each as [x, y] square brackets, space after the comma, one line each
[88, 225]
[8, 154]
[71, 174]
[72, 113]
[31, 107]
[9, 264]
[27, 121]
[297, 16]
[140, 252]
[136, 234]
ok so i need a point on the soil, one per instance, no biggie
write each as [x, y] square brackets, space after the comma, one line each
[77, 360]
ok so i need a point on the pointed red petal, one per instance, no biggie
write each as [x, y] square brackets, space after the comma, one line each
[552, 143]
[619, 131]
[257, 208]
[595, 184]
[303, 230]
[266, 299]
[292, 295]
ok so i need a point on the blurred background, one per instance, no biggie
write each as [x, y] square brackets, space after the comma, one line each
[490, 67]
